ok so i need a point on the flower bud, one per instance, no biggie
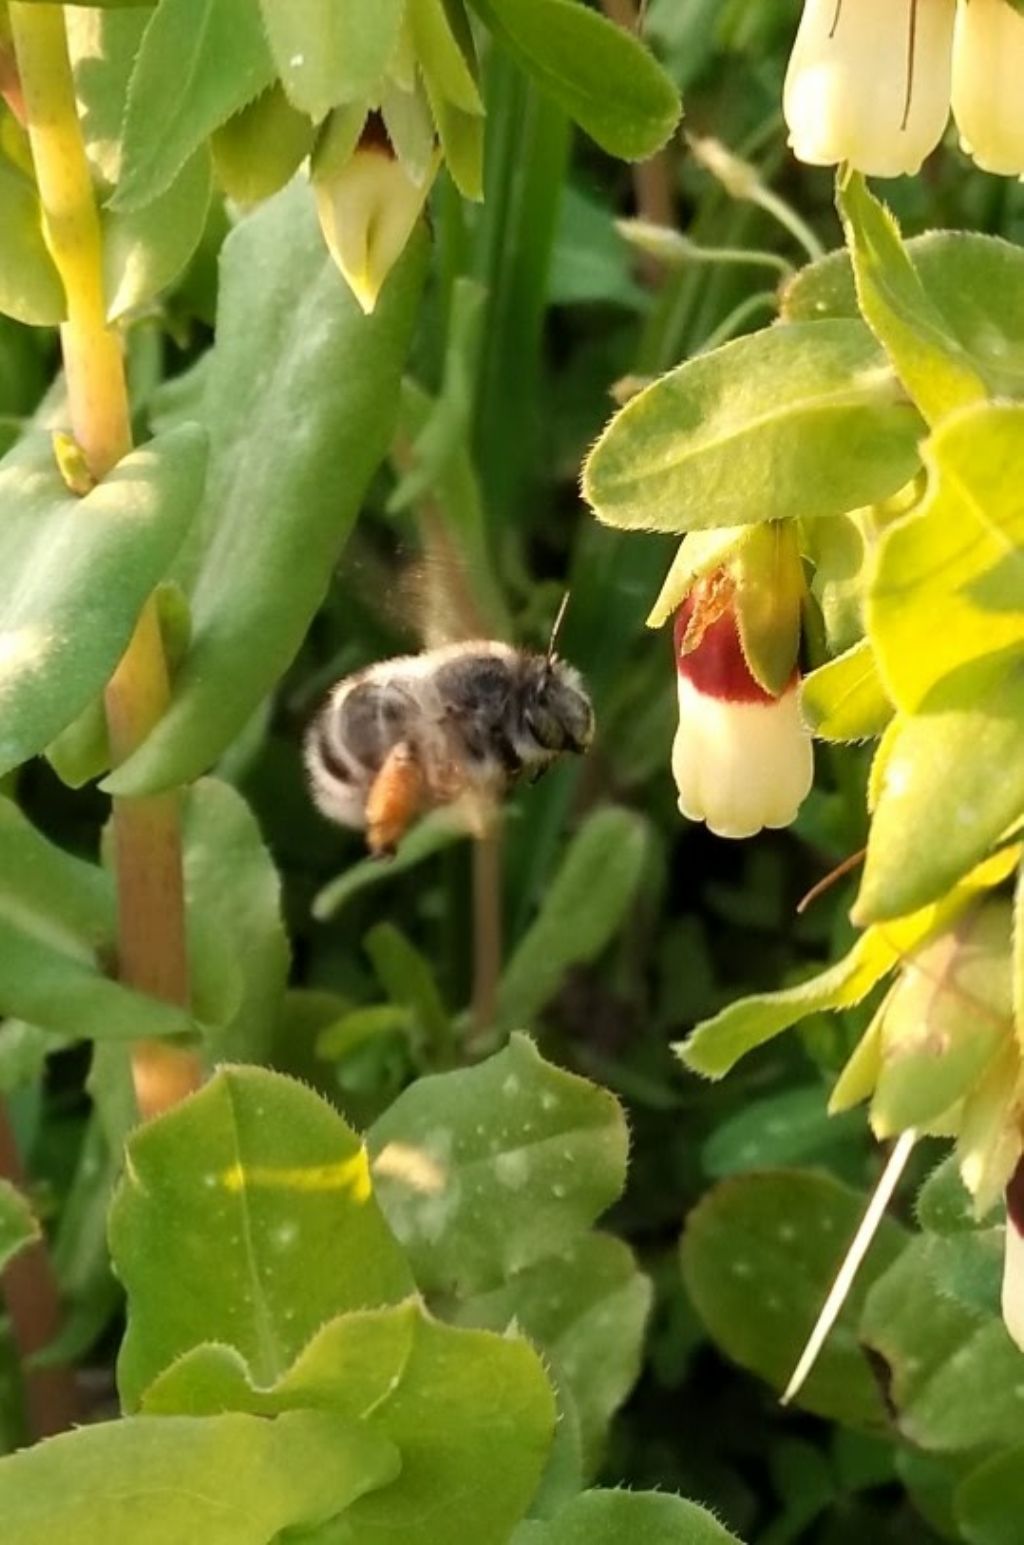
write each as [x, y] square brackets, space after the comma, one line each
[868, 83]
[742, 758]
[368, 209]
[988, 71]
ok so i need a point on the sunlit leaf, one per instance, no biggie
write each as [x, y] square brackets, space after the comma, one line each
[626, 1518]
[470, 1413]
[235, 1479]
[800, 421]
[259, 1172]
[18, 1226]
[925, 353]
[30, 287]
[947, 585]
[76, 573]
[328, 53]
[941, 807]
[845, 699]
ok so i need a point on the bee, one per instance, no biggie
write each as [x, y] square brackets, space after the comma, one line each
[460, 723]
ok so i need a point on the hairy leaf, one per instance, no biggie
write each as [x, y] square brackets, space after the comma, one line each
[845, 699]
[799, 421]
[328, 53]
[626, 1518]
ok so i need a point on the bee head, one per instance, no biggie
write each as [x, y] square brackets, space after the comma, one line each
[557, 710]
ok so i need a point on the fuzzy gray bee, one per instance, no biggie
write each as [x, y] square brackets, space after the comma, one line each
[413, 733]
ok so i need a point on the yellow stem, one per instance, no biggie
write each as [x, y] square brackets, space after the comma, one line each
[151, 914]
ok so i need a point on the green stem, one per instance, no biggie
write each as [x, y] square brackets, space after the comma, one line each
[147, 837]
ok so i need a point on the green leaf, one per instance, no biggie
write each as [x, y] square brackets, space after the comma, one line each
[975, 282]
[799, 421]
[237, 1480]
[1017, 959]
[51, 893]
[435, 832]
[943, 1203]
[30, 286]
[759, 1255]
[471, 1414]
[234, 906]
[968, 1266]
[300, 400]
[409, 981]
[717, 1044]
[18, 1226]
[626, 1518]
[282, 1228]
[698, 553]
[76, 573]
[583, 907]
[989, 1503]
[938, 779]
[260, 148]
[952, 1374]
[945, 1018]
[925, 353]
[948, 580]
[448, 73]
[585, 1310]
[328, 53]
[845, 699]
[484, 1171]
[199, 62]
[573, 53]
[145, 250]
[781, 1129]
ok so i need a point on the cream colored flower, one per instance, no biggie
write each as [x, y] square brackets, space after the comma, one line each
[368, 210]
[988, 84]
[869, 83]
[1013, 1258]
[742, 760]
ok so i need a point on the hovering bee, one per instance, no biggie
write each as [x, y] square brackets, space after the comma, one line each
[460, 722]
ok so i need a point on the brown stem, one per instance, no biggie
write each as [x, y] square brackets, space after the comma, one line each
[653, 187]
[30, 1295]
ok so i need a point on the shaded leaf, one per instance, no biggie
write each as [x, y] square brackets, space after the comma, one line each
[989, 1503]
[484, 1171]
[299, 400]
[573, 53]
[199, 62]
[759, 1256]
[583, 907]
[30, 286]
[18, 1227]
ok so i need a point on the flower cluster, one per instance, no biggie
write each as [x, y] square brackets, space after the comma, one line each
[871, 83]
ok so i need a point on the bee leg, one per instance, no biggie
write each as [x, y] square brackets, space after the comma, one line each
[395, 799]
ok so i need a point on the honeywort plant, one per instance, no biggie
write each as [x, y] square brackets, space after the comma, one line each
[402, 1324]
[877, 427]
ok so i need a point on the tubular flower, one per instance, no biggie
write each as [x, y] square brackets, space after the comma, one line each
[869, 82]
[988, 69]
[1013, 1258]
[368, 210]
[742, 758]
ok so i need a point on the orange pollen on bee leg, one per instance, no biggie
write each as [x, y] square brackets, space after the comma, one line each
[395, 799]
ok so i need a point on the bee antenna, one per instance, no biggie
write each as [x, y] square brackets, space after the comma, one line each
[556, 626]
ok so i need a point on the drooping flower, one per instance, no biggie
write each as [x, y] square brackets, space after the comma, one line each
[368, 209]
[868, 83]
[742, 758]
[988, 80]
